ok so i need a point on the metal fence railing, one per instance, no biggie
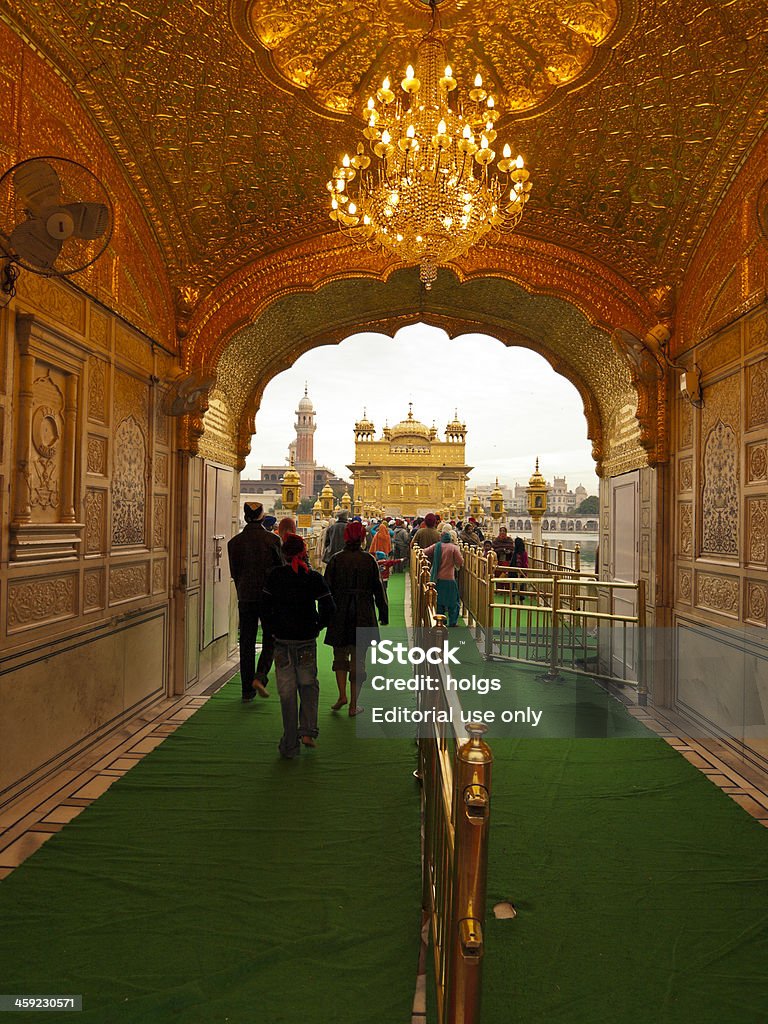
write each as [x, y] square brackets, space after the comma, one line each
[557, 617]
[456, 792]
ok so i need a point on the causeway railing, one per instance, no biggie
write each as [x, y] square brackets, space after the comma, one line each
[456, 793]
[558, 617]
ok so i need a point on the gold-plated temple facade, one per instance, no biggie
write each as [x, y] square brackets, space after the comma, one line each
[409, 471]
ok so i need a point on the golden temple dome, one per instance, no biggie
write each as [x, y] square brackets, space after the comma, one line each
[410, 427]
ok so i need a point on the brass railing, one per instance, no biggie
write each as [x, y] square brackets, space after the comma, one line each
[456, 789]
[560, 617]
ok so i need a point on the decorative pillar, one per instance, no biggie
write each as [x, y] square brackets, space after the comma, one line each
[68, 468]
[497, 507]
[23, 509]
[291, 490]
[537, 502]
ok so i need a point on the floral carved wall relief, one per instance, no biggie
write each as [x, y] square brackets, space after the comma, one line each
[720, 497]
[129, 485]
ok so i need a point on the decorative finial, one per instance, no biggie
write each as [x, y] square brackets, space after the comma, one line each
[537, 463]
[456, 413]
[305, 390]
[497, 481]
[410, 410]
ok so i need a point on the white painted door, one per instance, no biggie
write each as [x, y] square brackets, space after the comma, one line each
[624, 566]
[218, 530]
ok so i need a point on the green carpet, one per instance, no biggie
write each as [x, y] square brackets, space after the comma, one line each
[641, 889]
[216, 882]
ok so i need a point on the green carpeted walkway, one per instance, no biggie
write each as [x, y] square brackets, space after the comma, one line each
[216, 882]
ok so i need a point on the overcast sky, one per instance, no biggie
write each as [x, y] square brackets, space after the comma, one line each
[514, 404]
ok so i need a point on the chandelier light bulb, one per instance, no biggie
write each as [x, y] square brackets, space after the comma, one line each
[478, 81]
[441, 128]
[519, 163]
[507, 151]
[409, 72]
[385, 84]
[411, 132]
[467, 133]
[448, 71]
[345, 160]
[352, 208]
[386, 138]
[491, 103]
[371, 103]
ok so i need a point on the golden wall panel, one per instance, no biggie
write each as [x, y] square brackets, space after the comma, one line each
[720, 468]
[685, 474]
[684, 586]
[127, 582]
[98, 378]
[159, 521]
[685, 529]
[757, 394]
[100, 324]
[757, 462]
[39, 601]
[93, 590]
[756, 602]
[756, 510]
[95, 521]
[55, 300]
[161, 469]
[160, 576]
[718, 593]
[96, 455]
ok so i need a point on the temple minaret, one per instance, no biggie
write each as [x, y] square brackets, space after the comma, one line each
[305, 429]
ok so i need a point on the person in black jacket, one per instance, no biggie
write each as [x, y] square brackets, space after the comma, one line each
[253, 554]
[296, 605]
[355, 583]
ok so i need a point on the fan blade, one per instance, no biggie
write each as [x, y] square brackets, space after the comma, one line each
[32, 244]
[37, 185]
[91, 219]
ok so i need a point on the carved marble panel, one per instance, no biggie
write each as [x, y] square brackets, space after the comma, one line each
[757, 394]
[685, 474]
[93, 590]
[132, 346]
[756, 602]
[757, 333]
[161, 469]
[95, 508]
[162, 422]
[720, 496]
[127, 582]
[34, 602]
[96, 461]
[757, 462]
[685, 412]
[724, 348]
[97, 390]
[99, 332]
[757, 530]
[129, 485]
[46, 453]
[60, 303]
[159, 576]
[684, 586]
[685, 529]
[718, 593]
[159, 521]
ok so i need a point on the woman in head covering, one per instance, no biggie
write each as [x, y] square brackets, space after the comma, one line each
[381, 540]
[355, 583]
[286, 526]
[446, 559]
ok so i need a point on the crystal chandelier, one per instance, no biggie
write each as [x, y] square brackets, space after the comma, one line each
[434, 189]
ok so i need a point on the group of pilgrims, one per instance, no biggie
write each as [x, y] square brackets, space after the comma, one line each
[278, 588]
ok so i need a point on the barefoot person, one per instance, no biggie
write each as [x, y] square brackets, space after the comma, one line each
[296, 605]
[355, 583]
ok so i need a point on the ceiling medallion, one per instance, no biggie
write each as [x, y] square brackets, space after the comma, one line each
[528, 54]
[434, 190]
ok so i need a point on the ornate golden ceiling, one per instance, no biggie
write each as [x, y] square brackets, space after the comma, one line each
[628, 167]
[337, 54]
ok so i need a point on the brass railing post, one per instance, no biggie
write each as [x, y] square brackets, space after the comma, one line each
[471, 814]
[642, 677]
[553, 672]
[489, 602]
